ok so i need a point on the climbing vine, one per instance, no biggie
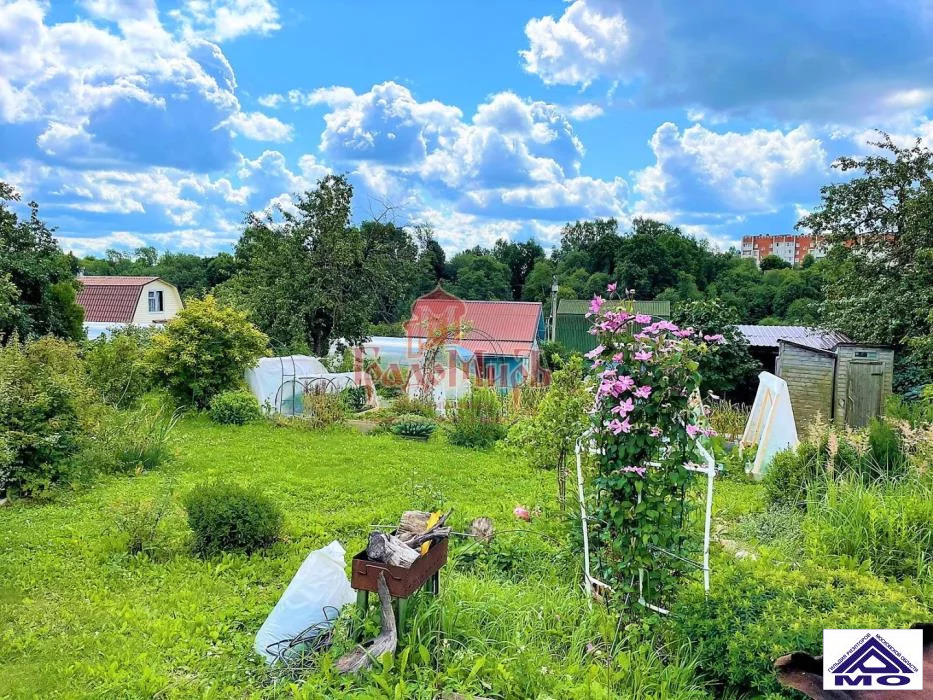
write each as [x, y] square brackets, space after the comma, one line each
[644, 375]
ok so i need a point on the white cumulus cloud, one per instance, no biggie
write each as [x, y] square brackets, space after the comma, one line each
[699, 170]
[259, 127]
[223, 20]
[588, 40]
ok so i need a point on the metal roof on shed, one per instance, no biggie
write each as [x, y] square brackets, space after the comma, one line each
[497, 327]
[582, 306]
[768, 336]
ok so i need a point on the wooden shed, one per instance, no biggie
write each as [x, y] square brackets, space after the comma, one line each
[847, 383]
[573, 326]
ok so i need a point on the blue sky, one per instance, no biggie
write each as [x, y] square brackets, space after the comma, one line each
[136, 123]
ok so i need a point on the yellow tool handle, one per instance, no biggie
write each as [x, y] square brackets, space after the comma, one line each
[432, 521]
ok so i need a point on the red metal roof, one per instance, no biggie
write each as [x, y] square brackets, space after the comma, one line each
[111, 299]
[498, 327]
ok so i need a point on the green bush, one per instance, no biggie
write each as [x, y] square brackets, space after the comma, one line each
[356, 398]
[139, 526]
[476, 420]
[128, 441]
[205, 350]
[225, 517]
[42, 396]
[117, 368]
[757, 611]
[885, 527]
[406, 405]
[235, 408]
[797, 475]
[546, 437]
[414, 426]
[790, 473]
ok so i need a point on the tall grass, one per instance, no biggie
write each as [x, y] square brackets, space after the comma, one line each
[476, 420]
[123, 441]
[531, 639]
[728, 418]
[917, 413]
[885, 526]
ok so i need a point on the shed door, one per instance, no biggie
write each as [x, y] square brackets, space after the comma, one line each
[863, 393]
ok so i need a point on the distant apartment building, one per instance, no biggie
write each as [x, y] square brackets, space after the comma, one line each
[791, 247]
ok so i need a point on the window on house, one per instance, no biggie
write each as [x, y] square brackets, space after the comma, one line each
[156, 302]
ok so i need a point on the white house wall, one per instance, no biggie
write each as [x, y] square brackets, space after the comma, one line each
[171, 303]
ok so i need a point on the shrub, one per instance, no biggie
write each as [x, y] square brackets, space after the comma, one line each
[476, 419]
[356, 398]
[117, 368]
[41, 397]
[321, 409]
[553, 354]
[205, 350]
[757, 611]
[422, 406]
[886, 527]
[727, 363]
[414, 426]
[225, 517]
[547, 437]
[235, 408]
[796, 475]
[790, 473]
[139, 525]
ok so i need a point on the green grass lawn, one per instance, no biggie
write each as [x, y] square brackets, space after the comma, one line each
[78, 616]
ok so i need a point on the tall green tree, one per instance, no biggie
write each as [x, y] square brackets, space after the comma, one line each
[480, 276]
[312, 277]
[879, 276]
[38, 287]
[520, 258]
[656, 256]
[391, 258]
[598, 240]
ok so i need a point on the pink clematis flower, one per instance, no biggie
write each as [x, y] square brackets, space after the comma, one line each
[643, 356]
[612, 287]
[635, 470]
[622, 384]
[693, 430]
[596, 304]
[717, 338]
[624, 408]
[655, 432]
[643, 392]
[618, 357]
[595, 352]
[642, 318]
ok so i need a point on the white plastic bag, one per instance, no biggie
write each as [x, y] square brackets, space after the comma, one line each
[321, 582]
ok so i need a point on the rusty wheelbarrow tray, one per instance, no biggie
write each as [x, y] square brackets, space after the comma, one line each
[401, 582]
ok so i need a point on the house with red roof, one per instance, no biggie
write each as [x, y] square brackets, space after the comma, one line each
[121, 300]
[499, 339]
